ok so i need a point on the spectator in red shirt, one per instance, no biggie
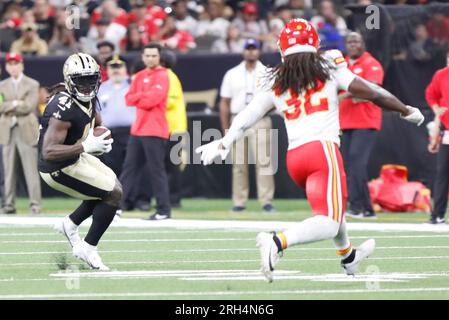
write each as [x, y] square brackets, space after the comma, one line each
[173, 38]
[146, 23]
[118, 18]
[437, 96]
[155, 12]
[149, 133]
[360, 122]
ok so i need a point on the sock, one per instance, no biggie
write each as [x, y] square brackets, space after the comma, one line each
[83, 212]
[310, 230]
[281, 241]
[102, 218]
[342, 243]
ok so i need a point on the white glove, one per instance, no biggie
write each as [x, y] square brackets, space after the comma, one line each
[109, 148]
[97, 145]
[210, 151]
[415, 116]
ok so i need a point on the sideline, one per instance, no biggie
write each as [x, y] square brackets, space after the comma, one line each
[224, 224]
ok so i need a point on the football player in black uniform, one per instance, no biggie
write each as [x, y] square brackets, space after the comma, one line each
[67, 156]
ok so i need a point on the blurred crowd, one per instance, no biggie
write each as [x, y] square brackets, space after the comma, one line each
[61, 27]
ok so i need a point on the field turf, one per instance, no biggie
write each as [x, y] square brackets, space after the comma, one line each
[191, 263]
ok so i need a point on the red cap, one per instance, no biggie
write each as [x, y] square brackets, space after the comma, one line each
[250, 8]
[17, 57]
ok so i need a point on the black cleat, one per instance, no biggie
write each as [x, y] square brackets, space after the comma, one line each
[436, 220]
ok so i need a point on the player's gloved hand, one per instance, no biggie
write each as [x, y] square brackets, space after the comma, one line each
[109, 148]
[413, 116]
[97, 145]
[211, 151]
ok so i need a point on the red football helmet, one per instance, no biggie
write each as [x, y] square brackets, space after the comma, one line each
[298, 36]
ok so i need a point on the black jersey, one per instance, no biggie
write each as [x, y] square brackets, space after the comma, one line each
[65, 108]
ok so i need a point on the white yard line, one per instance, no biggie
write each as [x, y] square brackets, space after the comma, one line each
[135, 240]
[163, 262]
[226, 224]
[134, 232]
[215, 250]
[178, 231]
[209, 294]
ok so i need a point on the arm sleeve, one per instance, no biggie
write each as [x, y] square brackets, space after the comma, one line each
[59, 107]
[375, 73]
[5, 106]
[225, 90]
[132, 96]
[30, 101]
[258, 107]
[340, 72]
[157, 93]
[433, 94]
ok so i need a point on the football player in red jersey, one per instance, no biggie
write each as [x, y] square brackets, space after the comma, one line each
[304, 89]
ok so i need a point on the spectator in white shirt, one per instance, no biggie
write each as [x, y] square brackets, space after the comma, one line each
[237, 90]
[234, 43]
[249, 24]
[328, 15]
[214, 23]
[184, 21]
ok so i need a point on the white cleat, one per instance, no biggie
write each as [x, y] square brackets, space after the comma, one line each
[361, 253]
[269, 254]
[69, 230]
[89, 255]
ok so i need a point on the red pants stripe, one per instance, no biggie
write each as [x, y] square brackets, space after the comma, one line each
[317, 167]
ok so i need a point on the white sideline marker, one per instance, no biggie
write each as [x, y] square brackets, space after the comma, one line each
[226, 224]
[157, 295]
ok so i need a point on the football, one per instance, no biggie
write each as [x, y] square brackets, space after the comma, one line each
[98, 131]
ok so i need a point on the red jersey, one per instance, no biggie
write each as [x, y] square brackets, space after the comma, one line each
[149, 93]
[362, 115]
[157, 14]
[437, 93]
[121, 18]
[182, 40]
[147, 27]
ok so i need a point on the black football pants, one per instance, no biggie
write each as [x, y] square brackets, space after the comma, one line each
[441, 184]
[356, 147]
[149, 152]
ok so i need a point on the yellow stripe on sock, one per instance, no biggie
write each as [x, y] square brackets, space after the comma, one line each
[344, 251]
[283, 240]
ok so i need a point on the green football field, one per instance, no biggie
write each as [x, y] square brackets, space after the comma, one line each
[194, 261]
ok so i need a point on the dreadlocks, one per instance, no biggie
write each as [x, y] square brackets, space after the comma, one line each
[299, 72]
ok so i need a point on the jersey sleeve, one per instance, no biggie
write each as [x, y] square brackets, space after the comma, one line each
[374, 73]
[259, 106]
[340, 72]
[60, 107]
[225, 89]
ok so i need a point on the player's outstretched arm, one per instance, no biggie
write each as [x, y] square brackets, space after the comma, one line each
[363, 89]
[260, 105]
[53, 148]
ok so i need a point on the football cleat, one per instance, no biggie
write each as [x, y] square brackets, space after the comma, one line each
[361, 253]
[269, 254]
[436, 220]
[69, 230]
[89, 255]
[158, 216]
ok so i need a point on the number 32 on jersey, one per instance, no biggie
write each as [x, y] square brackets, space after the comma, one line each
[294, 103]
